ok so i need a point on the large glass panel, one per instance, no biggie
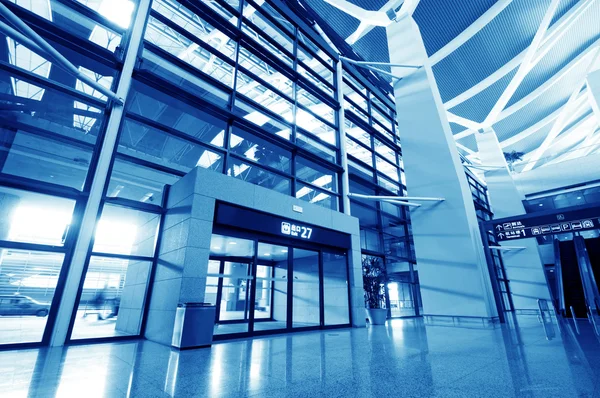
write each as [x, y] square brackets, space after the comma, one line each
[264, 96]
[52, 111]
[157, 146]
[113, 298]
[254, 115]
[270, 307]
[126, 231]
[385, 151]
[44, 159]
[321, 130]
[335, 289]
[305, 300]
[190, 52]
[143, 184]
[194, 24]
[359, 152]
[34, 218]
[251, 147]
[316, 196]
[315, 105]
[75, 23]
[173, 113]
[256, 175]
[315, 147]
[200, 87]
[267, 29]
[387, 168]
[316, 174]
[27, 284]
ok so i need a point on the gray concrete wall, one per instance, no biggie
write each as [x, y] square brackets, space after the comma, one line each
[185, 247]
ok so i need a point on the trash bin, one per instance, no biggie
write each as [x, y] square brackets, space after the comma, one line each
[194, 325]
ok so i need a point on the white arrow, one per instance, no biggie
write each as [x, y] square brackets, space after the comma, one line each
[499, 227]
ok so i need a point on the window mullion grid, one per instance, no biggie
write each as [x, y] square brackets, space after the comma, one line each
[294, 112]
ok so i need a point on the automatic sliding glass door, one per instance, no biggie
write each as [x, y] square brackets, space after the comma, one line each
[306, 289]
[271, 302]
[229, 283]
[260, 287]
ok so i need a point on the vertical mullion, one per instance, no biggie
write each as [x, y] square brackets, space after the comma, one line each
[321, 291]
[219, 290]
[252, 288]
[290, 288]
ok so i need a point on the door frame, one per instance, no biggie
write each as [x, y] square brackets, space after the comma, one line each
[290, 244]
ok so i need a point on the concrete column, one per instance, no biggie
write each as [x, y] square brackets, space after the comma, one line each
[524, 268]
[453, 271]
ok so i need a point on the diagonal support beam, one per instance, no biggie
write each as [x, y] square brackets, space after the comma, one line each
[525, 66]
[374, 18]
[555, 32]
[559, 123]
[55, 56]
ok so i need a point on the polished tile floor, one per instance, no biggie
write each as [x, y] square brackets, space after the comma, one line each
[401, 359]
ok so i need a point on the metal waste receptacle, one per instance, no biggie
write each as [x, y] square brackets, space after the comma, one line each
[194, 325]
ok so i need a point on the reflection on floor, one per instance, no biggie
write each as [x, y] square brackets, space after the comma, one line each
[229, 328]
[403, 358]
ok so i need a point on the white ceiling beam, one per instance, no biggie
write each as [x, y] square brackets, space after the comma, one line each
[407, 9]
[557, 30]
[463, 121]
[565, 143]
[470, 31]
[581, 150]
[525, 66]
[545, 121]
[560, 122]
[582, 57]
[375, 18]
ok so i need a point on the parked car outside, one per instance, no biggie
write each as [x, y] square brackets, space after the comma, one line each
[17, 305]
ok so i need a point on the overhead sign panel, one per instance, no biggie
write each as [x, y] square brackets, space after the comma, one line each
[532, 225]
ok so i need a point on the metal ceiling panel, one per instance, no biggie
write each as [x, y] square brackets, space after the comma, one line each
[479, 106]
[495, 44]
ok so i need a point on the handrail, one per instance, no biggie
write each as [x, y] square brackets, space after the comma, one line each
[548, 326]
[574, 319]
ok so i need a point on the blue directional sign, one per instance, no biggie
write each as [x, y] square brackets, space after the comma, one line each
[546, 223]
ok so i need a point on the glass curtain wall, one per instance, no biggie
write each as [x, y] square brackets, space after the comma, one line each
[52, 126]
[238, 87]
[376, 168]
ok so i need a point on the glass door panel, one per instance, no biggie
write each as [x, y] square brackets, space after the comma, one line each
[401, 299]
[270, 305]
[305, 300]
[335, 289]
[235, 294]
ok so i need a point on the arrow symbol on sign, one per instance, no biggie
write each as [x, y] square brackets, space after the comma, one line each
[499, 227]
[501, 235]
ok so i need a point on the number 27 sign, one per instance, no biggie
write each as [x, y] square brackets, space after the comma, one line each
[298, 231]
